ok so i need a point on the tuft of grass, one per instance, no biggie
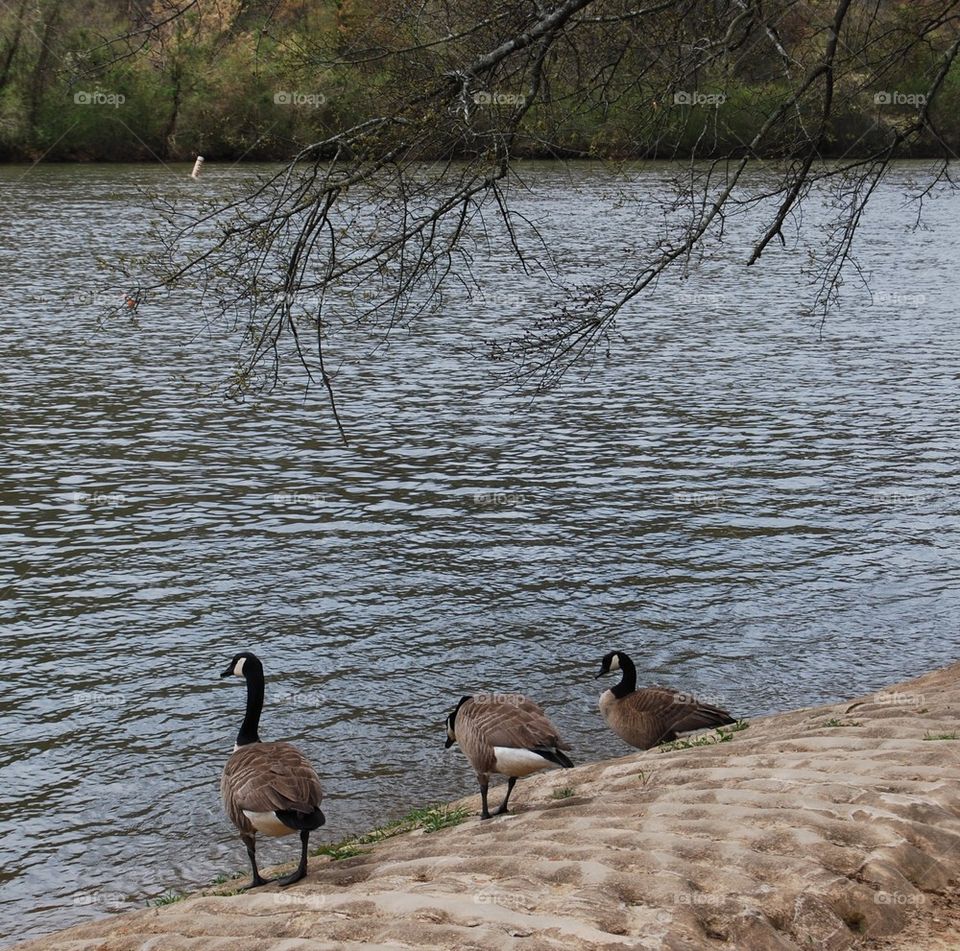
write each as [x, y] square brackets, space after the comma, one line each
[223, 879]
[342, 850]
[706, 740]
[941, 736]
[379, 833]
[565, 792]
[435, 818]
[168, 898]
[834, 721]
[429, 818]
[720, 735]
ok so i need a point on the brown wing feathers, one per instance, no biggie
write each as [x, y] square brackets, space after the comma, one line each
[486, 721]
[701, 717]
[654, 715]
[269, 777]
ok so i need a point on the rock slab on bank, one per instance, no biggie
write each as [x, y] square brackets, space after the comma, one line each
[830, 828]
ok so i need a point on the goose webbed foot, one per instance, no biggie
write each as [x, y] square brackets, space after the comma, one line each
[294, 876]
[256, 883]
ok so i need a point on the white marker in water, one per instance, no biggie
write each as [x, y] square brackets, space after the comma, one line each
[196, 167]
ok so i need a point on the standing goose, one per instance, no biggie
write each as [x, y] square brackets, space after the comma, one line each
[652, 715]
[506, 734]
[268, 787]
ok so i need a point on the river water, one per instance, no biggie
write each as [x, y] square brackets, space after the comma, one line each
[756, 512]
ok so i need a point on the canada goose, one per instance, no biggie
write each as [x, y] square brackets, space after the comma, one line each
[506, 734]
[268, 787]
[652, 715]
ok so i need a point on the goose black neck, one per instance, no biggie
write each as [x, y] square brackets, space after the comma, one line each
[251, 721]
[628, 683]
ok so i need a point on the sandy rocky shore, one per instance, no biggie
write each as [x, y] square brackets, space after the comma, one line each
[831, 827]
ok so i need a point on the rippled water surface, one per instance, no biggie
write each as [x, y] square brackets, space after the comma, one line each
[757, 514]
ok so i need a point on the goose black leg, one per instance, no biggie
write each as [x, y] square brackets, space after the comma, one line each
[485, 814]
[510, 784]
[301, 870]
[258, 879]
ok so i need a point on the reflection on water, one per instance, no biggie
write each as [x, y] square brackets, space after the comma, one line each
[753, 513]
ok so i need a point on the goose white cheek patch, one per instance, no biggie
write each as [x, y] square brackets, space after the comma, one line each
[615, 662]
[238, 667]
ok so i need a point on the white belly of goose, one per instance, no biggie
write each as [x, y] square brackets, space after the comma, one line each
[267, 823]
[512, 761]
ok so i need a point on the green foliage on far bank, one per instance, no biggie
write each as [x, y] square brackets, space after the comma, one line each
[251, 79]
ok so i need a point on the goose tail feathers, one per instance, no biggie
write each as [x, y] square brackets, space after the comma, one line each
[304, 821]
[555, 756]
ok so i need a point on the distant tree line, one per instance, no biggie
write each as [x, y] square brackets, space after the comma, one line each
[261, 79]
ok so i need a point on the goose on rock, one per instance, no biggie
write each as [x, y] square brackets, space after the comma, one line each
[269, 788]
[505, 734]
[652, 715]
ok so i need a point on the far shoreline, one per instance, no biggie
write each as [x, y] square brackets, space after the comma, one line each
[679, 160]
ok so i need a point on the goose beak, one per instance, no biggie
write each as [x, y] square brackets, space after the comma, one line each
[448, 743]
[602, 672]
[227, 673]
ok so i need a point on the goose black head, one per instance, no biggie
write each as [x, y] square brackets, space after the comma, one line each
[452, 724]
[610, 663]
[451, 735]
[242, 665]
